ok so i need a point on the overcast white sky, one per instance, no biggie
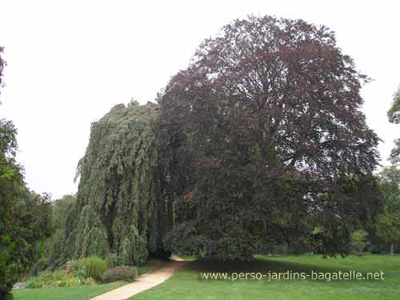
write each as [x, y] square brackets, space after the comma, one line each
[69, 62]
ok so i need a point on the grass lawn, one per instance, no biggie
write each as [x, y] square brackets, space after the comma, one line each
[82, 292]
[188, 285]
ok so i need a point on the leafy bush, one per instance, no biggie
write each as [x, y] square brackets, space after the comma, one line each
[61, 278]
[93, 267]
[41, 265]
[71, 266]
[80, 274]
[113, 260]
[34, 283]
[359, 240]
[121, 273]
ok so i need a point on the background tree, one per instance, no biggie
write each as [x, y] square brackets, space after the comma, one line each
[388, 221]
[2, 65]
[24, 216]
[394, 117]
[51, 249]
[359, 240]
[59, 211]
[263, 141]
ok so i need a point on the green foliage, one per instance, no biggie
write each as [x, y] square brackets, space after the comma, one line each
[2, 65]
[388, 221]
[394, 117]
[91, 238]
[71, 266]
[59, 211]
[119, 209]
[24, 216]
[41, 265]
[359, 240]
[388, 226]
[60, 278]
[93, 267]
[114, 260]
[120, 273]
[56, 248]
[394, 111]
[134, 251]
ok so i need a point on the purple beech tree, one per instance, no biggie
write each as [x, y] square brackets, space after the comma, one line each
[264, 142]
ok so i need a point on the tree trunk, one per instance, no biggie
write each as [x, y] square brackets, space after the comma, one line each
[391, 248]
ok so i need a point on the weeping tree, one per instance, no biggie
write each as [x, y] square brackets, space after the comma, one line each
[263, 141]
[119, 210]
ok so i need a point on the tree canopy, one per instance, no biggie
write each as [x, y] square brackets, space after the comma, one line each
[24, 215]
[118, 212]
[2, 65]
[394, 117]
[388, 221]
[263, 140]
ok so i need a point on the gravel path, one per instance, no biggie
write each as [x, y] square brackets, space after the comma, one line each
[144, 282]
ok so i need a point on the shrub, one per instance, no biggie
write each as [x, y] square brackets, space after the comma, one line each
[94, 267]
[88, 281]
[34, 283]
[121, 273]
[60, 278]
[359, 240]
[39, 266]
[80, 274]
[113, 260]
[71, 266]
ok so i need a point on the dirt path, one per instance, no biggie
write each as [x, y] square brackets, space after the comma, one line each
[144, 282]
